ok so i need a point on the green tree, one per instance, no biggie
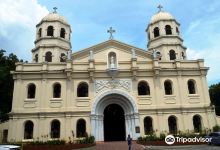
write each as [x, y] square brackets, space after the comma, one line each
[214, 92]
[7, 64]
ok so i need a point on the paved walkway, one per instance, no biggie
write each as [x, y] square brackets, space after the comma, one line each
[122, 145]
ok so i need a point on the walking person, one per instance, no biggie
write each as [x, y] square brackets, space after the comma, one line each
[129, 139]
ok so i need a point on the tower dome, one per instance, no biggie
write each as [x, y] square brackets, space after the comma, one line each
[161, 15]
[164, 36]
[52, 39]
[54, 16]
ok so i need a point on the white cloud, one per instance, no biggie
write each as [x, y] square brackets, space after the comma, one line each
[17, 27]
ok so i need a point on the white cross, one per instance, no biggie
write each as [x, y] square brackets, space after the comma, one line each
[111, 31]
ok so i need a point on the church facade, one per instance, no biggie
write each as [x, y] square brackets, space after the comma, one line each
[111, 89]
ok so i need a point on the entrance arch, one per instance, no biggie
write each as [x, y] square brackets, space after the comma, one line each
[114, 123]
[125, 101]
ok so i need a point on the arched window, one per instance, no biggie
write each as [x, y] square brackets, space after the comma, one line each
[50, 31]
[143, 88]
[55, 129]
[197, 123]
[148, 127]
[168, 88]
[172, 54]
[36, 58]
[112, 59]
[62, 33]
[62, 57]
[191, 87]
[81, 128]
[48, 57]
[156, 32]
[28, 130]
[82, 90]
[172, 123]
[40, 32]
[31, 91]
[168, 30]
[56, 90]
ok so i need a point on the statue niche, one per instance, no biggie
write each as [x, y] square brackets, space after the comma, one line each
[112, 59]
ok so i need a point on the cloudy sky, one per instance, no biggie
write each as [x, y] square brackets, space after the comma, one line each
[90, 19]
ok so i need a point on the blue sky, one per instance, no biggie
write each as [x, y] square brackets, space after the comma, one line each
[90, 19]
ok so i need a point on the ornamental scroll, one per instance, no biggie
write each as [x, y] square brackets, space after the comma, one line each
[102, 85]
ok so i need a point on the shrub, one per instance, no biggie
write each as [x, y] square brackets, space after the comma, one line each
[87, 140]
[216, 128]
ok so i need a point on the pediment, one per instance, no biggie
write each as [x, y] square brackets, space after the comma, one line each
[100, 52]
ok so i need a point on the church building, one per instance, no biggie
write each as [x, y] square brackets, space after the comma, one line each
[111, 89]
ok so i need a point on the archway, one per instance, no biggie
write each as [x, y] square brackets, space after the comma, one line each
[121, 99]
[114, 123]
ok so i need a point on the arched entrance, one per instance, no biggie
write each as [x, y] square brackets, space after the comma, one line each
[114, 123]
[120, 101]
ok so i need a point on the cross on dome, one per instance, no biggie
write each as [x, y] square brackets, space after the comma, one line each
[160, 7]
[55, 10]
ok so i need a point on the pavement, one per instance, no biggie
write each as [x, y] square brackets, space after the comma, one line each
[122, 145]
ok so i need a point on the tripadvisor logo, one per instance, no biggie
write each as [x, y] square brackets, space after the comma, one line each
[170, 139]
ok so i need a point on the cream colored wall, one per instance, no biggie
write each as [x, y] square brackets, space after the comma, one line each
[69, 108]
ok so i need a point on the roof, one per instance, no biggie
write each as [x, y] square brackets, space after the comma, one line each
[54, 17]
[161, 15]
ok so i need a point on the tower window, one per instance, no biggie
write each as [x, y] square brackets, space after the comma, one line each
[55, 129]
[156, 32]
[168, 30]
[56, 90]
[81, 128]
[172, 54]
[197, 123]
[82, 90]
[62, 33]
[172, 123]
[168, 87]
[62, 59]
[191, 87]
[50, 31]
[143, 88]
[177, 30]
[48, 57]
[148, 127]
[36, 58]
[39, 32]
[28, 130]
[31, 91]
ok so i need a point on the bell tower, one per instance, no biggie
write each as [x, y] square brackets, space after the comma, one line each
[164, 36]
[52, 39]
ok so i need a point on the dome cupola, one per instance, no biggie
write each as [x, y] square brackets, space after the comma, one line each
[52, 38]
[164, 36]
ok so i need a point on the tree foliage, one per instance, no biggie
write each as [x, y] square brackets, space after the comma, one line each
[7, 64]
[214, 92]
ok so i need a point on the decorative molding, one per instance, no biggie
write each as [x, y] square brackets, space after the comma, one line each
[123, 84]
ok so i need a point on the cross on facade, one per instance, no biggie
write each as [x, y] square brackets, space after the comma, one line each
[111, 31]
[160, 7]
[55, 10]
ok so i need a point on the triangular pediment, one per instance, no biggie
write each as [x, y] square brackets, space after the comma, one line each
[100, 52]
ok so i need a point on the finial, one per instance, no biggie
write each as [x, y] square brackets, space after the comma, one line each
[55, 10]
[111, 31]
[160, 7]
